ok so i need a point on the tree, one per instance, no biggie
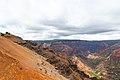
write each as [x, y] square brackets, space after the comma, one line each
[7, 33]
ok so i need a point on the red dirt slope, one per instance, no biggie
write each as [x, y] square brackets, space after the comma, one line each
[18, 63]
[10, 69]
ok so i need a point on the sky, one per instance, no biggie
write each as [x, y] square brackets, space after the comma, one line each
[61, 19]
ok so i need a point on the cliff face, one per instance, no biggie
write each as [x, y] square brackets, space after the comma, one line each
[20, 63]
[82, 66]
[61, 49]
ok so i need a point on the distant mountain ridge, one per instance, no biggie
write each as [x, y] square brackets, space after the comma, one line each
[80, 46]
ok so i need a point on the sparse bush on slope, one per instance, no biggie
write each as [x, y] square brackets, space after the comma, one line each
[2, 34]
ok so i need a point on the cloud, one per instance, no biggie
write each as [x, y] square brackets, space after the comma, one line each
[69, 29]
[61, 19]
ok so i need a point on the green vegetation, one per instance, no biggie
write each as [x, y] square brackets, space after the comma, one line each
[96, 62]
[116, 79]
[31, 43]
[96, 74]
[113, 69]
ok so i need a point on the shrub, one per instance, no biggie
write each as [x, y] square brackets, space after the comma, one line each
[7, 33]
[2, 34]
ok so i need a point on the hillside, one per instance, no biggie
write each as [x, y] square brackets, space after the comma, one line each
[11, 69]
[110, 67]
[57, 59]
[63, 64]
[82, 66]
[100, 56]
[21, 63]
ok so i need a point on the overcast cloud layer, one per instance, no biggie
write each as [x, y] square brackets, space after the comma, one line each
[61, 19]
